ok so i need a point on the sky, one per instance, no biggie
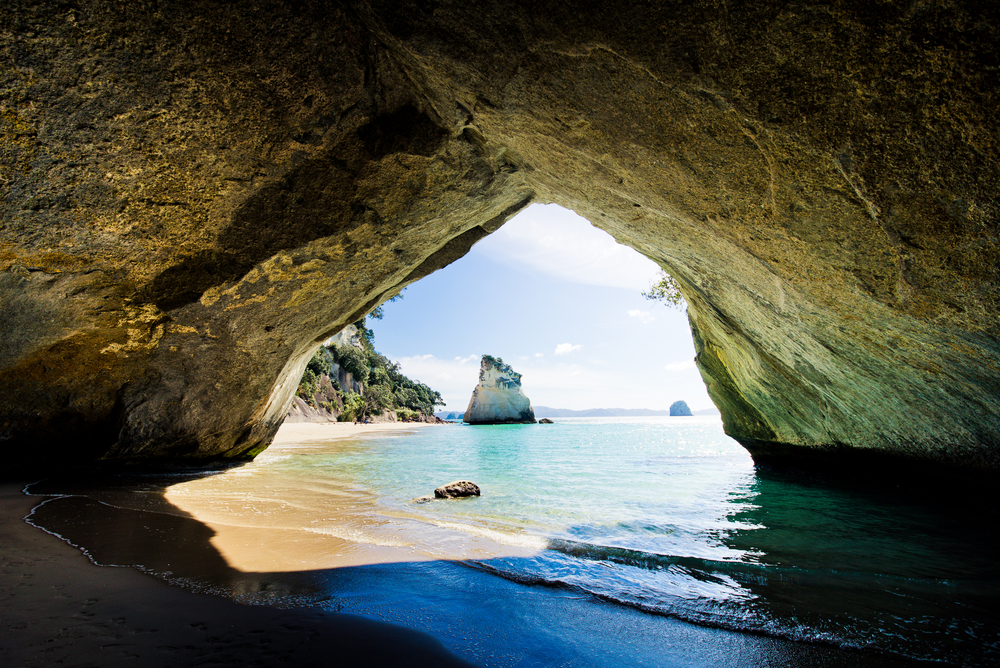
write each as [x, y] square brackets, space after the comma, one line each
[560, 301]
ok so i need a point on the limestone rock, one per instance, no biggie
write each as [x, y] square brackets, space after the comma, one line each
[457, 489]
[349, 336]
[545, 421]
[498, 398]
[194, 195]
[679, 408]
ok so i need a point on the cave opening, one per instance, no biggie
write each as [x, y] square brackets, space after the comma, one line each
[561, 302]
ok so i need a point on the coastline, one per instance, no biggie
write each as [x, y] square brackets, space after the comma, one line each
[58, 607]
[61, 607]
[263, 523]
[305, 432]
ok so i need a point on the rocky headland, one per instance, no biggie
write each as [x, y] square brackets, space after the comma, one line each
[498, 398]
[195, 195]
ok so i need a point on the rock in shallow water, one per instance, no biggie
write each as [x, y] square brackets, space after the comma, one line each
[457, 489]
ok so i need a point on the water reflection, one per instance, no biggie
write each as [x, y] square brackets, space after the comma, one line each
[488, 620]
[870, 569]
[697, 534]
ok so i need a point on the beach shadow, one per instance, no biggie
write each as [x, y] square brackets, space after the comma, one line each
[484, 618]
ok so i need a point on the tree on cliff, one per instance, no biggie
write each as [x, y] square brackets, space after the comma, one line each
[354, 361]
[667, 291]
[376, 399]
[385, 387]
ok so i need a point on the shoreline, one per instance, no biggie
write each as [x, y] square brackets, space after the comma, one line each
[283, 531]
[305, 432]
[58, 607]
[62, 607]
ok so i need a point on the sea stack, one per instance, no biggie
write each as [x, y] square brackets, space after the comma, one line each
[497, 398]
[679, 408]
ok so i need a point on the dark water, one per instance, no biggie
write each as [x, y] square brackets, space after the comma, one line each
[663, 516]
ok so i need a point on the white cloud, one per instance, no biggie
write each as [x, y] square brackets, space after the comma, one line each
[539, 355]
[560, 243]
[567, 348]
[645, 317]
[453, 378]
[680, 366]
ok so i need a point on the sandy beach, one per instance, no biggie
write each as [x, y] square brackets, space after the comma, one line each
[57, 608]
[304, 432]
[406, 609]
[263, 523]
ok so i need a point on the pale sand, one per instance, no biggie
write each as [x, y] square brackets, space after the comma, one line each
[56, 608]
[262, 523]
[301, 432]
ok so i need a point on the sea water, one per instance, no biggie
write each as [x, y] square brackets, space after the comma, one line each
[663, 515]
[670, 516]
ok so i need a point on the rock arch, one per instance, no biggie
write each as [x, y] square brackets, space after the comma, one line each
[196, 195]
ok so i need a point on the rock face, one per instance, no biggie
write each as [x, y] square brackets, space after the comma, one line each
[195, 195]
[679, 408]
[498, 398]
[457, 489]
[324, 405]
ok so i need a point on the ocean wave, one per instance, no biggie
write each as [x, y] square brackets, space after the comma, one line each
[524, 540]
[641, 558]
[721, 594]
[355, 536]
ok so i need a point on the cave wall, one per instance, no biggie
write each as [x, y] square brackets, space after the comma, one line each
[197, 193]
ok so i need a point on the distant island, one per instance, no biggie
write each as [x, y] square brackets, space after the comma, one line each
[680, 409]
[545, 411]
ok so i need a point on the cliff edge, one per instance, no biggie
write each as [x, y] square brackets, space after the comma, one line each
[498, 398]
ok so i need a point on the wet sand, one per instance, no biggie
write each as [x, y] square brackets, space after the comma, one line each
[60, 609]
[266, 522]
[56, 608]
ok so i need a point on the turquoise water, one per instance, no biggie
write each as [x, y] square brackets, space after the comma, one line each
[669, 516]
[666, 516]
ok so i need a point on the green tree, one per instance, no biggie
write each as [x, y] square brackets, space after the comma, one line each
[308, 385]
[408, 397]
[385, 384]
[376, 399]
[320, 362]
[353, 406]
[666, 290]
[355, 362]
[379, 376]
[377, 312]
